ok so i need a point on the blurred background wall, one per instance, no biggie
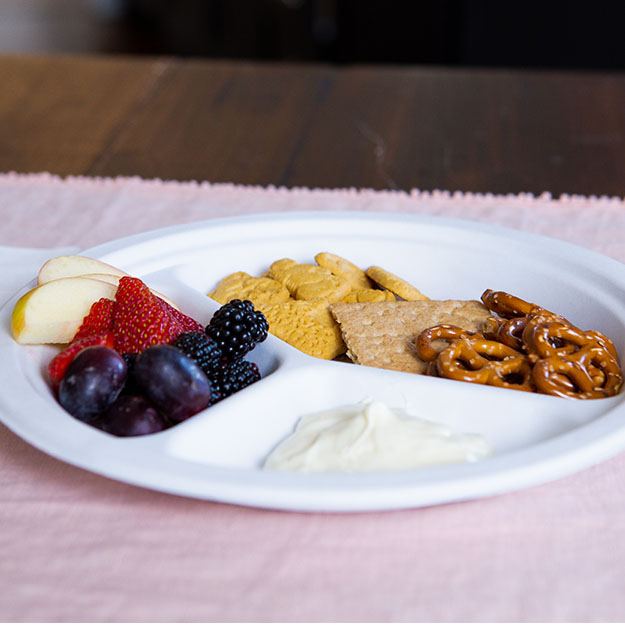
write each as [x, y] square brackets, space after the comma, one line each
[491, 33]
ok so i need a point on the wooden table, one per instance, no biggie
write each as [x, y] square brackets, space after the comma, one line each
[302, 125]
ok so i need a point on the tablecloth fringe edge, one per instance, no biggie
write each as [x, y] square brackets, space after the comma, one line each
[432, 195]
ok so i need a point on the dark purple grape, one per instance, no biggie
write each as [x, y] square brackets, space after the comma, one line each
[130, 388]
[174, 383]
[131, 415]
[92, 382]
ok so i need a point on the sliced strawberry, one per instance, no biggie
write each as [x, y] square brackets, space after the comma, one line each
[58, 365]
[188, 323]
[140, 319]
[98, 321]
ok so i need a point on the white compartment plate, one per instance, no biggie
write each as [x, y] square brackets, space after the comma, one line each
[217, 454]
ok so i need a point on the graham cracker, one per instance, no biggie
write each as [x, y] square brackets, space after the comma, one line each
[382, 334]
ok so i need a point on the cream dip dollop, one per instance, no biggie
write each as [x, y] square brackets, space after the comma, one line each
[371, 436]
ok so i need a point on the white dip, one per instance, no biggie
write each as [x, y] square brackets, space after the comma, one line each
[370, 436]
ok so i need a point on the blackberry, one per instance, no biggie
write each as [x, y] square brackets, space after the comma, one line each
[201, 348]
[233, 378]
[237, 328]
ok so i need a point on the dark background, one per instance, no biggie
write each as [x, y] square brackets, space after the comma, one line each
[462, 32]
[473, 33]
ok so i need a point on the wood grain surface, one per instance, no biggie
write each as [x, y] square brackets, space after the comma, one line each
[306, 125]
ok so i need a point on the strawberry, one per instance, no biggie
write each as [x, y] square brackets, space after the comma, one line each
[188, 323]
[141, 319]
[58, 365]
[98, 321]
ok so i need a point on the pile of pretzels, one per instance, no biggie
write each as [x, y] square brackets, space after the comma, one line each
[527, 348]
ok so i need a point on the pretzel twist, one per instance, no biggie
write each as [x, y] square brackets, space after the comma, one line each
[506, 331]
[571, 375]
[570, 362]
[544, 338]
[553, 338]
[604, 341]
[506, 305]
[480, 361]
[443, 332]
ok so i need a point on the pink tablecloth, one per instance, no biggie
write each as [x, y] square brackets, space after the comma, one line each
[75, 546]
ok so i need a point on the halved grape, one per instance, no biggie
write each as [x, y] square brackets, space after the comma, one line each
[174, 383]
[92, 382]
[131, 415]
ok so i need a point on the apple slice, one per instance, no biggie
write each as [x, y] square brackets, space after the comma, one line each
[73, 267]
[53, 312]
[84, 267]
[114, 280]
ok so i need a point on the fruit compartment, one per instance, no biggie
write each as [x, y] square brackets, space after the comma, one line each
[33, 361]
[38, 357]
